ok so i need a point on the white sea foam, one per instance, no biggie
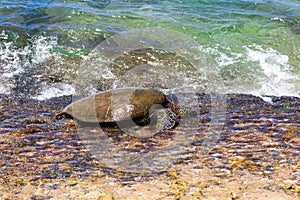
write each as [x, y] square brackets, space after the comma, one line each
[278, 79]
[3, 89]
[55, 90]
[11, 60]
[224, 59]
[273, 76]
[42, 49]
[267, 99]
[15, 61]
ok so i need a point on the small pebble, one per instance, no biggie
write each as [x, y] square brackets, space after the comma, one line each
[233, 195]
[297, 189]
[106, 197]
[172, 174]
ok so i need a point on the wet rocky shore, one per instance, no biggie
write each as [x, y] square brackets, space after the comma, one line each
[257, 154]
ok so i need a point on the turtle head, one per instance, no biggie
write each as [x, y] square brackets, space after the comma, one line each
[62, 115]
[173, 103]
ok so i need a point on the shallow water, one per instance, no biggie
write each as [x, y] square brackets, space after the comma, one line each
[253, 45]
[258, 148]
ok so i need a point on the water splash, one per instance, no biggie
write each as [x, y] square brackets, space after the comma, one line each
[250, 69]
[55, 90]
[255, 70]
[278, 77]
[19, 70]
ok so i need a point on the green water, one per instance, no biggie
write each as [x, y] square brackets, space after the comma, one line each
[255, 44]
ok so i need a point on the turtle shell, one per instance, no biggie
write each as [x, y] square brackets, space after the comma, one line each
[115, 105]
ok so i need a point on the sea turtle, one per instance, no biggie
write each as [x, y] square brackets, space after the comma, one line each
[142, 105]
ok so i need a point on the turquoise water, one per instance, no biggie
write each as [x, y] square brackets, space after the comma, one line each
[254, 44]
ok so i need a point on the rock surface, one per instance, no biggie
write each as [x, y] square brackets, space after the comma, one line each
[257, 155]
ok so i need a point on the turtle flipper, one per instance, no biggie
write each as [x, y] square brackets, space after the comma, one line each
[158, 120]
[186, 111]
[164, 119]
[62, 115]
